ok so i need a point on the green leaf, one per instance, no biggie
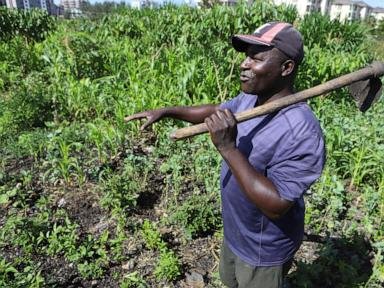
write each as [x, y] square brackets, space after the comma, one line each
[4, 199]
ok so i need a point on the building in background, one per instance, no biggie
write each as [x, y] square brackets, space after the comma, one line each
[72, 8]
[71, 4]
[228, 2]
[365, 10]
[139, 4]
[16, 4]
[46, 5]
[343, 10]
[347, 10]
[307, 6]
[209, 3]
[378, 13]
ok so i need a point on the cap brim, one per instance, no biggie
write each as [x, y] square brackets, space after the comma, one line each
[242, 42]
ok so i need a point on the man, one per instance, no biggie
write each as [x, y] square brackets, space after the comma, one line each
[269, 161]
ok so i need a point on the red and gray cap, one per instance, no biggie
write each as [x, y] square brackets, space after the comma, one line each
[280, 35]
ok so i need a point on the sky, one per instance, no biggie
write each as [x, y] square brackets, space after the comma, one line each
[375, 3]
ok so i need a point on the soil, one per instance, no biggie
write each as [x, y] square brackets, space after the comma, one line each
[199, 257]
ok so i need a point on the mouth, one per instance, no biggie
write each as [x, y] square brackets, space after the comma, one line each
[244, 78]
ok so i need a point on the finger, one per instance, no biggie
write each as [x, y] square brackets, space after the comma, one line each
[220, 114]
[216, 119]
[146, 124]
[208, 122]
[229, 115]
[213, 121]
[135, 116]
[220, 120]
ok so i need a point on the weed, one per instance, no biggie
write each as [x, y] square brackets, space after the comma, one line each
[122, 190]
[152, 236]
[199, 214]
[29, 276]
[168, 266]
[133, 280]
[62, 238]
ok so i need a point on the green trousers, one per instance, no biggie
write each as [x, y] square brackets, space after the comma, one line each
[235, 273]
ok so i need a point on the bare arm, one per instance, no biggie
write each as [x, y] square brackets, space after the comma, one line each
[192, 114]
[258, 188]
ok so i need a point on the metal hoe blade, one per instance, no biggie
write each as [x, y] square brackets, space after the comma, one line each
[366, 92]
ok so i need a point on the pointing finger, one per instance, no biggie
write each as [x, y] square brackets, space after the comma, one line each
[135, 116]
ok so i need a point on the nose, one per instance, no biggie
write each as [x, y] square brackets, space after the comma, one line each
[245, 64]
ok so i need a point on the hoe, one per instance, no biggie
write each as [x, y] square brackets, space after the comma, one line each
[364, 85]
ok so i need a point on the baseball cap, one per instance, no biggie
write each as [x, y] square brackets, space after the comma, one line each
[280, 35]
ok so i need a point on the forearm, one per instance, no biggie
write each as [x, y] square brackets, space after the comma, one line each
[192, 114]
[258, 188]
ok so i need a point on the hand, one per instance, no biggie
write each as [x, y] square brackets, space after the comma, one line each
[223, 129]
[152, 117]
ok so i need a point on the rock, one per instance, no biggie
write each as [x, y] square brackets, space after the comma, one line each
[129, 265]
[148, 149]
[100, 227]
[194, 280]
[61, 203]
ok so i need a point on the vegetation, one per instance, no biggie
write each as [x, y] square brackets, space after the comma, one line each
[88, 200]
[32, 25]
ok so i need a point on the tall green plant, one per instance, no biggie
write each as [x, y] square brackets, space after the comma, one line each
[33, 25]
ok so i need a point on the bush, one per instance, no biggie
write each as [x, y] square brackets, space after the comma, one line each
[198, 215]
[28, 106]
[32, 25]
[168, 266]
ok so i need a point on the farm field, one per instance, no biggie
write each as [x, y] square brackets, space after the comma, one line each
[87, 200]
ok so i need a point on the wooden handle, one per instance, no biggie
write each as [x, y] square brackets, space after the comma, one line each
[376, 69]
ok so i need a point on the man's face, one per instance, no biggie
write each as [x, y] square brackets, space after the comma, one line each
[260, 71]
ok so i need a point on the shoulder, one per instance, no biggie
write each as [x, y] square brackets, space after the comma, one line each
[300, 139]
[299, 121]
[241, 102]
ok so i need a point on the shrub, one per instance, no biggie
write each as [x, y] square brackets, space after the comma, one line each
[198, 215]
[168, 266]
[152, 236]
[122, 191]
[33, 25]
[27, 106]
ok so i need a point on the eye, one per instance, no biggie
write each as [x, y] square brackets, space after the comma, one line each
[256, 58]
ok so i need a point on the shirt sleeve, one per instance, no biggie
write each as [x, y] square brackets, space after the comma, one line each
[300, 164]
[232, 104]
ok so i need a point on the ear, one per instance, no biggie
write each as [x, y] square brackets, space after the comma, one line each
[287, 68]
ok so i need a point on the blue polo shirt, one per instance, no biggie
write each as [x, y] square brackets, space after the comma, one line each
[287, 147]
